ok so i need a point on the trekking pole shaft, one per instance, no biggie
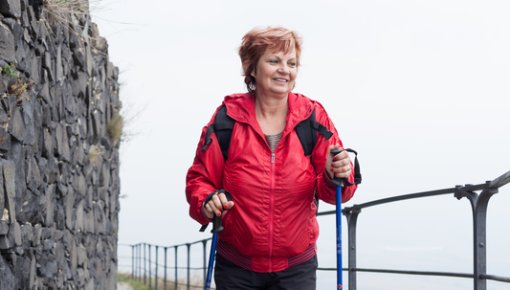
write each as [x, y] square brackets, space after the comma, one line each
[210, 266]
[339, 236]
[217, 227]
[339, 183]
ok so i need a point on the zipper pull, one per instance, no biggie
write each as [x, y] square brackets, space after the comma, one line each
[272, 157]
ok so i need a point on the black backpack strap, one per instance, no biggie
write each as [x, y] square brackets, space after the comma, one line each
[222, 127]
[306, 131]
[207, 139]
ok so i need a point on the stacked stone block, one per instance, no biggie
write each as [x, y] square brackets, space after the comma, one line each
[59, 166]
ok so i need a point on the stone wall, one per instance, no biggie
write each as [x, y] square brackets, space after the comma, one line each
[59, 136]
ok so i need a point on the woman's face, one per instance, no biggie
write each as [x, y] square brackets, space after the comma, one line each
[276, 72]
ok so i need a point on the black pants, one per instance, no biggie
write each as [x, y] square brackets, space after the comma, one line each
[229, 276]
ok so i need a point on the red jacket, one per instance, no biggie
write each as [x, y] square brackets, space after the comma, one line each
[274, 216]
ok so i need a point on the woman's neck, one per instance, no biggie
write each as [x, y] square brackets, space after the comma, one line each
[271, 105]
[271, 114]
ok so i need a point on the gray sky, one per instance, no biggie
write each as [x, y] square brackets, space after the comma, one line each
[420, 88]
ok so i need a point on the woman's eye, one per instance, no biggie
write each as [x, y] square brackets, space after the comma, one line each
[292, 64]
[273, 61]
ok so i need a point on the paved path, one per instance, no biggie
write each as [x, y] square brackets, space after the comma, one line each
[124, 286]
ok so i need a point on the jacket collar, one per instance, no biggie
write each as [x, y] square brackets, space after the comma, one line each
[241, 107]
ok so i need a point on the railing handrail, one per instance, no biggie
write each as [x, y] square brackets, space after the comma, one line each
[479, 202]
[500, 181]
[172, 246]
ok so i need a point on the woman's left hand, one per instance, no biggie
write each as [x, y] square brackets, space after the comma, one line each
[339, 165]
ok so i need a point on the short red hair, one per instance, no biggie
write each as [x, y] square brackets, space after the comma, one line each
[258, 40]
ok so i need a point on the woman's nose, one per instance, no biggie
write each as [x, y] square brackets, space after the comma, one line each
[284, 69]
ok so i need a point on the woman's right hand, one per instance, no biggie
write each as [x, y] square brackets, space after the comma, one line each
[218, 205]
[338, 166]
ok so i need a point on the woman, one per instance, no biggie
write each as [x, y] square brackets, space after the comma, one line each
[270, 225]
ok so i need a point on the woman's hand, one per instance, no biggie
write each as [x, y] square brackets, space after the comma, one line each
[218, 205]
[339, 165]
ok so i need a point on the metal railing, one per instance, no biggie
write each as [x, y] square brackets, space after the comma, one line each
[156, 275]
[155, 270]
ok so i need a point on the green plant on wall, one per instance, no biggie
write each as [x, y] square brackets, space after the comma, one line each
[19, 86]
[9, 70]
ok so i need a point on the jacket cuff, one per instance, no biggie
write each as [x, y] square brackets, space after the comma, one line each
[331, 182]
[328, 180]
[197, 214]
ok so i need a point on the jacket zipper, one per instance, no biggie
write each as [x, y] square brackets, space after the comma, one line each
[271, 206]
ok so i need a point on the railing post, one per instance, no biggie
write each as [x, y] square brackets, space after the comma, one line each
[176, 283]
[139, 262]
[144, 263]
[135, 257]
[479, 204]
[150, 266]
[137, 267]
[165, 268]
[132, 261]
[352, 220]
[480, 228]
[157, 265]
[204, 243]
[188, 267]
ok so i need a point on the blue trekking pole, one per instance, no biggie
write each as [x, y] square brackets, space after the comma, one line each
[217, 227]
[339, 184]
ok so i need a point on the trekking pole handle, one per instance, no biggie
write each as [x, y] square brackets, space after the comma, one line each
[338, 181]
[217, 225]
